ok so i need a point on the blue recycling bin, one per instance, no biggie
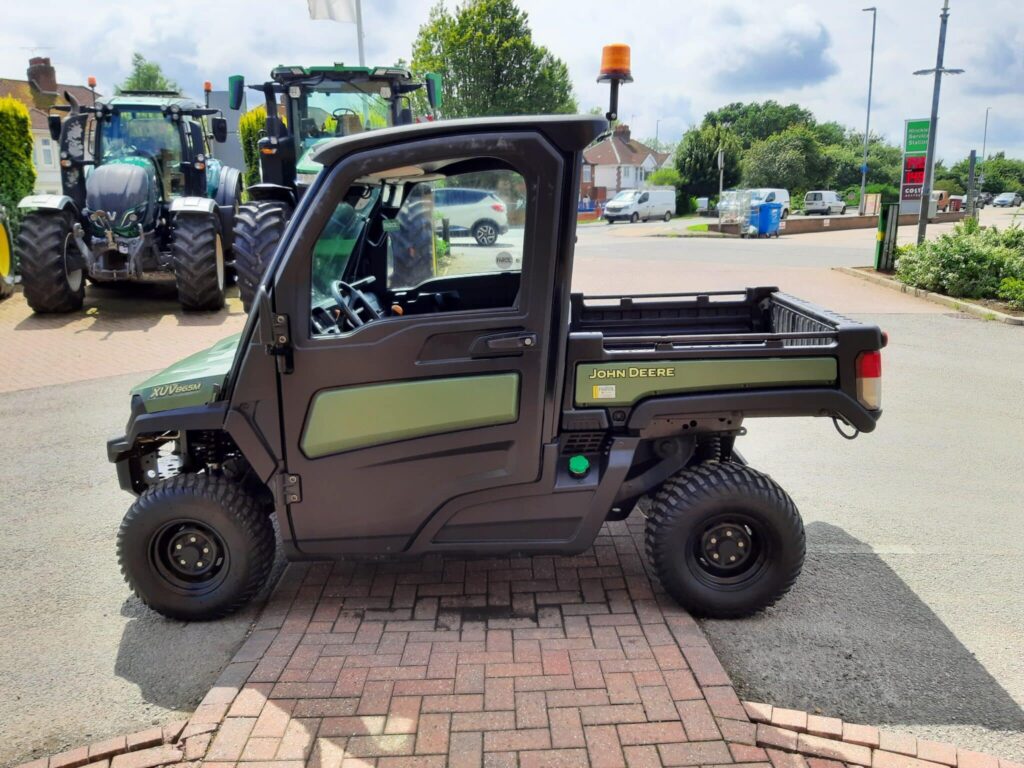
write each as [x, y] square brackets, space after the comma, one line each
[765, 218]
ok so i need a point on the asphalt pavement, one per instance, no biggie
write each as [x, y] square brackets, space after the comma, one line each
[909, 613]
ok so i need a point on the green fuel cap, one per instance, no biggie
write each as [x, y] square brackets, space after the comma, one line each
[579, 466]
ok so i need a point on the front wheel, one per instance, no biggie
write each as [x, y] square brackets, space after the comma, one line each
[258, 229]
[842, 211]
[195, 547]
[634, 218]
[725, 540]
[197, 253]
[52, 275]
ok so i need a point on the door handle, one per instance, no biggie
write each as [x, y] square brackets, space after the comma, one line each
[513, 342]
[503, 344]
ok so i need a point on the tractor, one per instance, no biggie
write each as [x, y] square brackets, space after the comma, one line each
[307, 106]
[143, 200]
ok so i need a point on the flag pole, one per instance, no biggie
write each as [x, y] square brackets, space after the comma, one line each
[359, 32]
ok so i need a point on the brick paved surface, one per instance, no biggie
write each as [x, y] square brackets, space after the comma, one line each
[518, 662]
[124, 330]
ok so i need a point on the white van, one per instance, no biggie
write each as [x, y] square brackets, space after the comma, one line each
[769, 195]
[824, 202]
[641, 204]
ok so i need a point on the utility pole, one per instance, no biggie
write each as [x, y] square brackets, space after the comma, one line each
[867, 126]
[939, 71]
[359, 32]
[984, 143]
[657, 125]
[972, 208]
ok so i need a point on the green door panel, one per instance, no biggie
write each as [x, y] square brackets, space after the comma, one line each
[600, 384]
[357, 417]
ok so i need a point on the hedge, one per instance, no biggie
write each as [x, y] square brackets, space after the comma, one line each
[250, 126]
[17, 173]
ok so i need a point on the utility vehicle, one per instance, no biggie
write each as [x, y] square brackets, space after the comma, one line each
[378, 412]
[307, 106]
[143, 199]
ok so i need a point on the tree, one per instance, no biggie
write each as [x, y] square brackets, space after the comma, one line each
[17, 173]
[490, 64]
[146, 76]
[697, 159]
[249, 127]
[792, 160]
[755, 122]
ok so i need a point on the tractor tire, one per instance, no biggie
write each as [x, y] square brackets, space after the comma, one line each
[258, 230]
[197, 253]
[174, 525]
[485, 232]
[6, 257]
[44, 242]
[725, 540]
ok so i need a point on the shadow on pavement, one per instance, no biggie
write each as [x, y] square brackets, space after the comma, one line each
[174, 663]
[853, 641]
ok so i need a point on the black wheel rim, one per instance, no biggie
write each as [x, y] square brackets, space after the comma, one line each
[730, 550]
[190, 556]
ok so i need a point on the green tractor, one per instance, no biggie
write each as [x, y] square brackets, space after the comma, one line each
[306, 107]
[6, 256]
[143, 199]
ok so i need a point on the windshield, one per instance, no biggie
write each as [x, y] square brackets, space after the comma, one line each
[334, 247]
[625, 197]
[146, 135]
[334, 113]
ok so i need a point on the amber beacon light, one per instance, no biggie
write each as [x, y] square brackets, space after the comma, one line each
[614, 70]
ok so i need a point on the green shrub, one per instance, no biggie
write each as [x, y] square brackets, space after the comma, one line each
[971, 262]
[1011, 290]
[17, 173]
[250, 126]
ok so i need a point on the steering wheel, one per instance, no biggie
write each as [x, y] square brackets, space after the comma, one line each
[338, 114]
[351, 299]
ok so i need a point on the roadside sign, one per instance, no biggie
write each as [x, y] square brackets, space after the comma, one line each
[915, 151]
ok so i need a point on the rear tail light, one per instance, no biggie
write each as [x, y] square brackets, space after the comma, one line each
[499, 207]
[869, 379]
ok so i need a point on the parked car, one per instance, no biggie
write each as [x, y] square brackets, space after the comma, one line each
[636, 204]
[824, 202]
[479, 213]
[769, 195]
[1007, 200]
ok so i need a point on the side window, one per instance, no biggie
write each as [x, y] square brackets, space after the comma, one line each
[644, 197]
[770, 198]
[334, 247]
[474, 229]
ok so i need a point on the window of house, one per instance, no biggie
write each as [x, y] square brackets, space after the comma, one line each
[446, 243]
[586, 173]
[46, 150]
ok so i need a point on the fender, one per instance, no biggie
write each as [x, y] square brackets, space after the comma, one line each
[267, 191]
[193, 205]
[47, 203]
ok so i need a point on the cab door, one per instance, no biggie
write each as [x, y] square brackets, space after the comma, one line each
[452, 391]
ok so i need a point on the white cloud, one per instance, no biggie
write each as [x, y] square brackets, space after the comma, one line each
[688, 57]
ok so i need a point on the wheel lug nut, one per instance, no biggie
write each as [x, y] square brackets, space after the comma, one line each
[732, 558]
[182, 562]
[714, 555]
[714, 540]
[177, 546]
[193, 539]
[727, 533]
[741, 545]
[200, 563]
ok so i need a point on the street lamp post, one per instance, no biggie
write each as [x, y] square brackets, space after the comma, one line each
[984, 144]
[938, 71]
[867, 126]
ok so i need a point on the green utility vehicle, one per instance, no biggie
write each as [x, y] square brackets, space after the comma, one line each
[143, 199]
[377, 409]
[307, 106]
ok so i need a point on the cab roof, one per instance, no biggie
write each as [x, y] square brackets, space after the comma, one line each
[149, 100]
[570, 133]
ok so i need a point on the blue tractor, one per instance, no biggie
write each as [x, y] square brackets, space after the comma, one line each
[142, 199]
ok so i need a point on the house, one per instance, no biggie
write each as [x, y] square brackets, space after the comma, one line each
[618, 162]
[39, 92]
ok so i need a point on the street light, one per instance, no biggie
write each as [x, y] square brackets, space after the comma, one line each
[938, 71]
[984, 143]
[867, 126]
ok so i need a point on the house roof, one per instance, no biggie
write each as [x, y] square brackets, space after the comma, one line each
[38, 102]
[621, 149]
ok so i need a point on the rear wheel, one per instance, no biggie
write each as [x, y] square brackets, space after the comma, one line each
[634, 218]
[485, 232]
[725, 540]
[258, 230]
[198, 256]
[51, 275]
[195, 547]
[668, 216]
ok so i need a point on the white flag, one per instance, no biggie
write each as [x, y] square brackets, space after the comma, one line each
[333, 10]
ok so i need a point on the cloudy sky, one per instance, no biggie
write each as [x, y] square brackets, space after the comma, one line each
[688, 56]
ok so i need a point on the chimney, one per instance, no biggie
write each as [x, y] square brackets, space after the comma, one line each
[622, 132]
[41, 75]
